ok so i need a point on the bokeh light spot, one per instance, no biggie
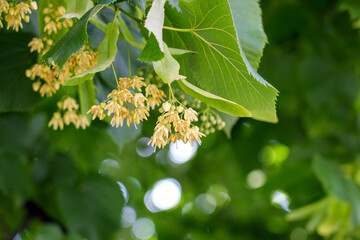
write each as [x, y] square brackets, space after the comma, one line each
[124, 191]
[181, 152]
[187, 208]
[143, 228]
[220, 193]
[142, 147]
[166, 194]
[274, 154]
[206, 203]
[281, 199]
[128, 217]
[109, 167]
[256, 179]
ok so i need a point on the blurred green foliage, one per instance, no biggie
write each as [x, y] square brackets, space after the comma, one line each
[56, 185]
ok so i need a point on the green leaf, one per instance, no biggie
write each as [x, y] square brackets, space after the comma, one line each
[74, 39]
[249, 28]
[140, 3]
[217, 102]
[335, 183]
[130, 39]
[219, 67]
[77, 8]
[155, 21]
[154, 48]
[106, 54]
[16, 93]
[152, 51]
[128, 36]
[92, 209]
[168, 68]
[48, 231]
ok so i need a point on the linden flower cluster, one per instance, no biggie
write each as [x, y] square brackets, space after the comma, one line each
[126, 103]
[175, 124]
[69, 108]
[210, 122]
[52, 16]
[15, 13]
[48, 80]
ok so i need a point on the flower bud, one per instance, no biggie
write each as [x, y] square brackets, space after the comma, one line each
[36, 86]
[203, 118]
[166, 106]
[179, 109]
[33, 5]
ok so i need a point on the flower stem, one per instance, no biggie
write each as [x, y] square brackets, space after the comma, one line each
[129, 62]
[116, 79]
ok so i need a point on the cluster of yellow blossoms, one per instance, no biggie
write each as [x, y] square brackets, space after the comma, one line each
[127, 103]
[69, 108]
[15, 13]
[52, 16]
[175, 124]
[49, 80]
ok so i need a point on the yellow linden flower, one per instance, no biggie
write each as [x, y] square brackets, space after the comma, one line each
[22, 9]
[160, 136]
[36, 86]
[56, 121]
[114, 93]
[83, 60]
[33, 5]
[97, 111]
[152, 90]
[190, 115]
[124, 83]
[171, 117]
[153, 102]
[13, 21]
[166, 106]
[139, 100]
[140, 114]
[61, 11]
[4, 6]
[117, 121]
[137, 83]
[193, 134]
[36, 45]
[70, 104]
[124, 96]
[47, 89]
[181, 126]
[50, 27]
[82, 122]
[70, 117]
[113, 107]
